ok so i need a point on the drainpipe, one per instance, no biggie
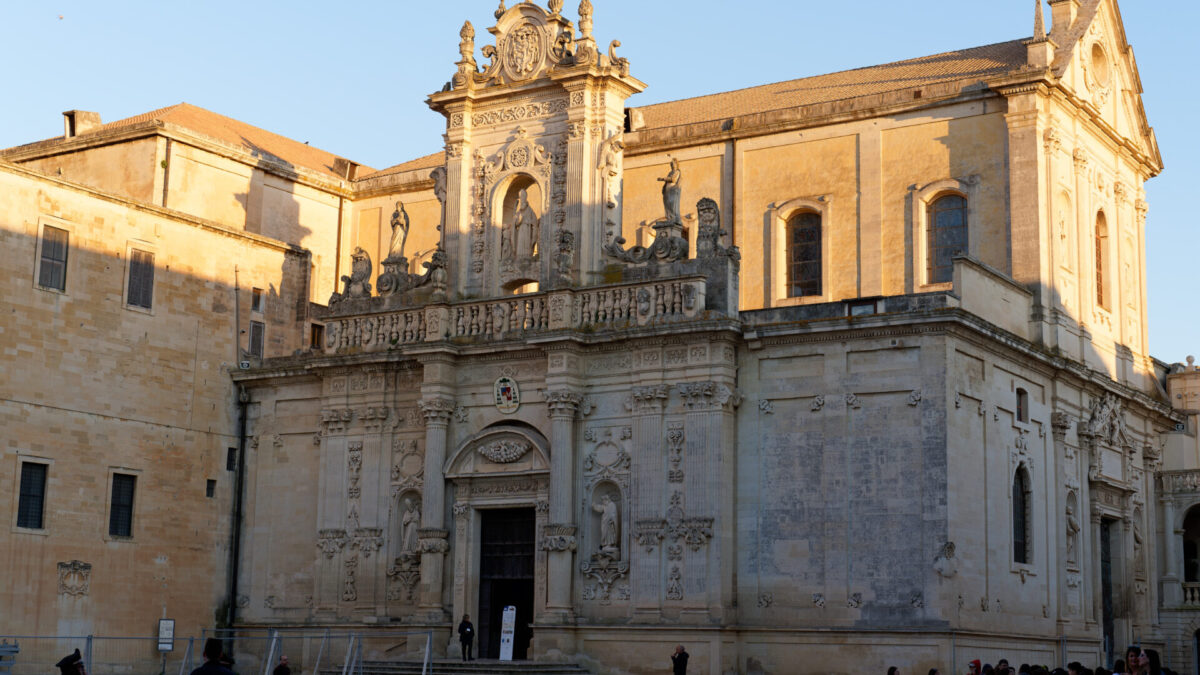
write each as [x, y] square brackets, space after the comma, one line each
[235, 543]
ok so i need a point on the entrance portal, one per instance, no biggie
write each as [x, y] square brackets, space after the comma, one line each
[505, 577]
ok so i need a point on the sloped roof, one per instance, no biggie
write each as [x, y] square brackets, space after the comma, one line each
[964, 64]
[426, 162]
[257, 142]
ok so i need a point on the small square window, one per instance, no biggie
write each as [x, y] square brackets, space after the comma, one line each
[31, 506]
[210, 488]
[120, 517]
[258, 332]
[256, 300]
[52, 266]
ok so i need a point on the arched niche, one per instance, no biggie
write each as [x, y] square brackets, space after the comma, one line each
[519, 246]
[501, 449]
[607, 494]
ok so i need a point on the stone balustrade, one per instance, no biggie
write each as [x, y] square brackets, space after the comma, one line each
[593, 309]
[1187, 480]
[1191, 594]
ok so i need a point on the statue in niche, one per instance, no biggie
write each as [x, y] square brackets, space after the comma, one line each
[610, 168]
[409, 523]
[1139, 565]
[400, 224]
[1072, 531]
[526, 228]
[671, 192]
[610, 542]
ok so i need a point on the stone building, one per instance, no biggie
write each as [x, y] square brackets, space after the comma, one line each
[848, 369]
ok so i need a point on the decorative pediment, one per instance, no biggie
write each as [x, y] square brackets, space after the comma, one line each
[530, 42]
[501, 449]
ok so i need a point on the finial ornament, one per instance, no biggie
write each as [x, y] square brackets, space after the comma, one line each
[500, 10]
[555, 6]
[466, 47]
[585, 18]
[1039, 22]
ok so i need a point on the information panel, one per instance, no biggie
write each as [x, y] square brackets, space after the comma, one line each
[508, 629]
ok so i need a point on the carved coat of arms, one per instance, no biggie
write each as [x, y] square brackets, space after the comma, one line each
[508, 395]
[523, 51]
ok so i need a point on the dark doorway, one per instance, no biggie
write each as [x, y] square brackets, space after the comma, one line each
[505, 578]
[1106, 588]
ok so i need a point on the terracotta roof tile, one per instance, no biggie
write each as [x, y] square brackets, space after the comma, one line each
[966, 64]
[426, 162]
[257, 142]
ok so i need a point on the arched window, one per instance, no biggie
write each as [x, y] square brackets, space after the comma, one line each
[947, 236]
[1022, 544]
[804, 254]
[1022, 405]
[1191, 545]
[1103, 269]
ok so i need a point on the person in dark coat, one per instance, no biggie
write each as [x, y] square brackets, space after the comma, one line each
[212, 659]
[466, 636]
[679, 660]
[71, 664]
[282, 668]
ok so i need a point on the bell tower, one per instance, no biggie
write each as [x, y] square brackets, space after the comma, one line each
[533, 153]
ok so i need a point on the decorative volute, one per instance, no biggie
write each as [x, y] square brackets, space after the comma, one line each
[533, 172]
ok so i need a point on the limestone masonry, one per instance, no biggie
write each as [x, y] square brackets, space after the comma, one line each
[849, 369]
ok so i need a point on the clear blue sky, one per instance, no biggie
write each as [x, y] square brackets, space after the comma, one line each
[351, 77]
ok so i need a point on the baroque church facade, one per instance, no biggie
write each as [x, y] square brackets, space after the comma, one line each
[836, 369]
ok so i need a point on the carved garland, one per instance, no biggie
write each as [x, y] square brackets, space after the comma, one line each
[505, 451]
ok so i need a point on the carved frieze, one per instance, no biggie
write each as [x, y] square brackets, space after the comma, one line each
[367, 540]
[647, 400]
[349, 580]
[603, 572]
[512, 114]
[675, 441]
[505, 451]
[707, 396]
[403, 575]
[335, 420]
[433, 540]
[1106, 421]
[675, 584]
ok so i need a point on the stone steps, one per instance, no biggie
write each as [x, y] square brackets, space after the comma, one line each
[459, 667]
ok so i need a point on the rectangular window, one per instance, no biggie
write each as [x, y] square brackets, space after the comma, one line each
[258, 332]
[317, 338]
[231, 459]
[31, 506]
[52, 268]
[256, 300]
[210, 488]
[120, 517]
[141, 279]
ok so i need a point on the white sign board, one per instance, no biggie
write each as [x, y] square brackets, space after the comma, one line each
[166, 635]
[508, 627]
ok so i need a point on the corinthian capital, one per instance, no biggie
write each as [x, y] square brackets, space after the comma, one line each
[436, 410]
[563, 403]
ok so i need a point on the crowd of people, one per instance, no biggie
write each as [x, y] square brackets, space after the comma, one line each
[1136, 661]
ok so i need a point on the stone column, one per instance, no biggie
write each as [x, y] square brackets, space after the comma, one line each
[559, 538]
[1172, 591]
[433, 533]
[647, 403]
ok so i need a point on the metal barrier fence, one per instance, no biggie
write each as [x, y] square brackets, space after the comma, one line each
[254, 651]
[309, 652]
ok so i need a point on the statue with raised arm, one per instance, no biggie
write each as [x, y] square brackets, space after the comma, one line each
[400, 225]
[610, 542]
[671, 192]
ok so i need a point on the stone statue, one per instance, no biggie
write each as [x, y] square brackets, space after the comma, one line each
[1072, 532]
[358, 284]
[671, 192]
[610, 542]
[610, 167]
[526, 227]
[409, 523]
[400, 224]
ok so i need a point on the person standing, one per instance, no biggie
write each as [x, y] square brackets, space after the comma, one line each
[679, 660]
[282, 668]
[212, 659]
[71, 664]
[466, 637]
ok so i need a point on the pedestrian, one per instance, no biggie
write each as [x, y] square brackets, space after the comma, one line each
[973, 667]
[212, 659]
[679, 661]
[71, 664]
[893, 671]
[934, 671]
[1153, 662]
[466, 636]
[282, 668]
